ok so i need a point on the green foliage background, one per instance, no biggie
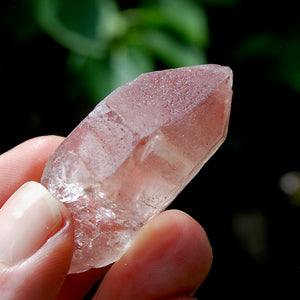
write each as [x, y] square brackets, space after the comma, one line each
[109, 46]
[60, 57]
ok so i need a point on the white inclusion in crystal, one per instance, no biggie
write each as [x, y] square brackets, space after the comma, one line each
[104, 212]
[168, 152]
[150, 146]
[72, 192]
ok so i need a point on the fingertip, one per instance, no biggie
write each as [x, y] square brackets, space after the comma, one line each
[189, 228]
[38, 233]
[43, 144]
[188, 244]
[171, 256]
[25, 162]
[29, 217]
[174, 228]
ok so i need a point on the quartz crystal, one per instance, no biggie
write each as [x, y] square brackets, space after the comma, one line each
[130, 157]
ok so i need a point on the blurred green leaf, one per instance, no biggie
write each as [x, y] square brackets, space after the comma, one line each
[127, 63]
[90, 76]
[78, 16]
[100, 77]
[186, 18]
[183, 18]
[171, 51]
[84, 27]
[109, 47]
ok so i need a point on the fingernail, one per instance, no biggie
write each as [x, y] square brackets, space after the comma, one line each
[27, 220]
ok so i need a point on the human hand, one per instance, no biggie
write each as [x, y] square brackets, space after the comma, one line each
[168, 260]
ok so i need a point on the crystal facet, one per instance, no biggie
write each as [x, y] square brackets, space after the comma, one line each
[132, 155]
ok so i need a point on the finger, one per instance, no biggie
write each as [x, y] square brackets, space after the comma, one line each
[25, 162]
[170, 257]
[36, 244]
[77, 286]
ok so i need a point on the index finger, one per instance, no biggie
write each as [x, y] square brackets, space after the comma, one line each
[25, 162]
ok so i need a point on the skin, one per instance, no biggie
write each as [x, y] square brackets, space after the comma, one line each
[168, 260]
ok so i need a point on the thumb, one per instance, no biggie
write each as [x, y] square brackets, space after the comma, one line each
[36, 244]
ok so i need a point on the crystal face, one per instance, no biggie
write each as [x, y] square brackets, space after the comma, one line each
[132, 155]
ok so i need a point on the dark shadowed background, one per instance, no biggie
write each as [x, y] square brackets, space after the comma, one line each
[60, 57]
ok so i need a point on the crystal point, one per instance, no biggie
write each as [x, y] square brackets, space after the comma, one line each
[132, 155]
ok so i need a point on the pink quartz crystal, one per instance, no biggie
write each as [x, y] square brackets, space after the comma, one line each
[130, 157]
